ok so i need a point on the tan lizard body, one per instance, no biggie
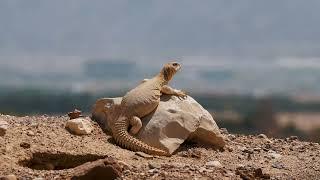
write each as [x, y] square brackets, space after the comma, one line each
[138, 103]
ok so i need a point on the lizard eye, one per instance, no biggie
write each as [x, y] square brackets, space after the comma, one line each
[108, 105]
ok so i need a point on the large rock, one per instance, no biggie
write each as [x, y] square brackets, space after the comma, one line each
[79, 126]
[173, 122]
[3, 127]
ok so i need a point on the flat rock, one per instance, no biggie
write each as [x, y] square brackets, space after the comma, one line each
[216, 164]
[107, 168]
[3, 127]
[173, 122]
[79, 126]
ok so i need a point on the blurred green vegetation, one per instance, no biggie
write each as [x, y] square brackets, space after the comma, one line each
[258, 114]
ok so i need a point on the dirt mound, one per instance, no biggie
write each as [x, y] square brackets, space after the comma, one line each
[40, 146]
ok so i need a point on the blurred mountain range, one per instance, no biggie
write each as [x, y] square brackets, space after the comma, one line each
[245, 47]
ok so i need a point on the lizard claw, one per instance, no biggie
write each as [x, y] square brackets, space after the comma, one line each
[182, 94]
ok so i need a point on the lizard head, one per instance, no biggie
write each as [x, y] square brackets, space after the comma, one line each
[170, 69]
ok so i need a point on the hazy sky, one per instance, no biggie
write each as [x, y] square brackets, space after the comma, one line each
[153, 30]
[260, 46]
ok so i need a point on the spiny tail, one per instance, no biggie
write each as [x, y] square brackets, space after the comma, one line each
[124, 139]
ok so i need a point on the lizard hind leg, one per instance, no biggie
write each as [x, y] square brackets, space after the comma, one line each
[136, 125]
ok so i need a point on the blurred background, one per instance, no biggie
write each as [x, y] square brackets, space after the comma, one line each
[254, 65]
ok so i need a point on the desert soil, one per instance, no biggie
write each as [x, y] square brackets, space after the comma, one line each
[35, 139]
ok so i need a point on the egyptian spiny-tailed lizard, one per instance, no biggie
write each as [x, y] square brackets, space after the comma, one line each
[138, 103]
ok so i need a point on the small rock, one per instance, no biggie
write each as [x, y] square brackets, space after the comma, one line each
[267, 146]
[30, 133]
[154, 166]
[191, 153]
[277, 165]
[124, 165]
[25, 145]
[126, 172]
[152, 171]
[216, 164]
[274, 155]
[249, 151]
[229, 174]
[3, 127]
[34, 125]
[229, 148]
[232, 137]
[240, 156]
[9, 177]
[224, 131]
[39, 178]
[74, 114]
[144, 155]
[163, 174]
[263, 136]
[202, 169]
[293, 138]
[79, 126]
[257, 149]
[248, 172]
[241, 148]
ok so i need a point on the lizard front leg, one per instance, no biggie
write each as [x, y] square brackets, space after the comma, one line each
[171, 91]
[136, 125]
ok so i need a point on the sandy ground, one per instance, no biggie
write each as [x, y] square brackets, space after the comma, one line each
[40, 146]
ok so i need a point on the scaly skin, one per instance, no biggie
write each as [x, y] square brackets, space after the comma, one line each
[138, 103]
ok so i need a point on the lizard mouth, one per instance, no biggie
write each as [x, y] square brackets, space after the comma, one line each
[178, 67]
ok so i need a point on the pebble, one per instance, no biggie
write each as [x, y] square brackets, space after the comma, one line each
[202, 169]
[126, 172]
[232, 137]
[25, 145]
[163, 174]
[277, 165]
[229, 174]
[229, 148]
[153, 165]
[257, 149]
[34, 125]
[263, 136]
[216, 164]
[274, 155]
[224, 131]
[152, 171]
[30, 133]
[241, 148]
[144, 155]
[249, 151]
[293, 138]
